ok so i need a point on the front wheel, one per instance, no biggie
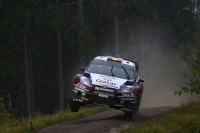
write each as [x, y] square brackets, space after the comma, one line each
[133, 114]
[74, 106]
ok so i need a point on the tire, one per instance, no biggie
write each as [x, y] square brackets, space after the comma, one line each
[132, 115]
[74, 106]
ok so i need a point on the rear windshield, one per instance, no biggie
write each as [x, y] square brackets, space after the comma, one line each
[111, 68]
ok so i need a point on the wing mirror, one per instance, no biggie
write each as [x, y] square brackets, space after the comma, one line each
[82, 68]
[140, 81]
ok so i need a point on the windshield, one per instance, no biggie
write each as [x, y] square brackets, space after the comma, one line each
[111, 68]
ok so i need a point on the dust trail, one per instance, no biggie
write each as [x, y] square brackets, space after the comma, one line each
[160, 64]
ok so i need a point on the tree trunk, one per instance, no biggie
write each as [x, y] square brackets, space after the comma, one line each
[80, 8]
[80, 32]
[31, 82]
[115, 30]
[27, 79]
[60, 70]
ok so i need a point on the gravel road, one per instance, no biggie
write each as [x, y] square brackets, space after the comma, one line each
[105, 122]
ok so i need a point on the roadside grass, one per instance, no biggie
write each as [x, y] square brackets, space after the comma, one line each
[41, 121]
[183, 119]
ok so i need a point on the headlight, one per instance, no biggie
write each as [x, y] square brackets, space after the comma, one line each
[127, 89]
[85, 81]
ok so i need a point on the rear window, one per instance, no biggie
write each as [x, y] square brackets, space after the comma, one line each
[111, 68]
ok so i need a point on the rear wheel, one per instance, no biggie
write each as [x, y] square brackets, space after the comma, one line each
[133, 114]
[74, 106]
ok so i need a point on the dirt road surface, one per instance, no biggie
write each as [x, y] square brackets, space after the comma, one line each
[105, 122]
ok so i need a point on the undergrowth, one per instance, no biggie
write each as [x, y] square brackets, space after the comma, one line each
[183, 119]
[41, 121]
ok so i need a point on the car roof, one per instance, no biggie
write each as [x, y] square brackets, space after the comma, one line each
[123, 61]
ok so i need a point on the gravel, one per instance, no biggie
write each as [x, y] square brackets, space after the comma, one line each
[106, 122]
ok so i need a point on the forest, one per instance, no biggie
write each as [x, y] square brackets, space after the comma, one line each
[45, 42]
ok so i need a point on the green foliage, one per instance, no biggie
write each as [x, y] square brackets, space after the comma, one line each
[41, 121]
[191, 56]
[1, 105]
[6, 111]
[183, 119]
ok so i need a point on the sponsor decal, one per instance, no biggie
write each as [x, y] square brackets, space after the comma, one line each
[107, 79]
[103, 89]
[126, 94]
[102, 95]
[105, 82]
[129, 99]
[80, 86]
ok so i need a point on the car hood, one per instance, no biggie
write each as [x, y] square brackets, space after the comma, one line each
[107, 81]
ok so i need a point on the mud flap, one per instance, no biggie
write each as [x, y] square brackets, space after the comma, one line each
[132, 115]
[74, 106]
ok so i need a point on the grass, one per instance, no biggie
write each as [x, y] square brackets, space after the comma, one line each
[183, 119]
[41, 121]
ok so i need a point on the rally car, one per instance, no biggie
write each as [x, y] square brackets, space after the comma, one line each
[108, 81]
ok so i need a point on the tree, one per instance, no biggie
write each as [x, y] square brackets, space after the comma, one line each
[27, 8]
[19, 19]
[86, 39]
[31, 81]
[56, 11]
[191, 56]
[27, 78]
[80, 8]
[115, 29]
[60, 70]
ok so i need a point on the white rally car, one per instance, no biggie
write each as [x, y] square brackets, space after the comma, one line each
[108, 81]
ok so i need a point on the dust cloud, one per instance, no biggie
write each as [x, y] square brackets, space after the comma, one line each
[160, 64]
